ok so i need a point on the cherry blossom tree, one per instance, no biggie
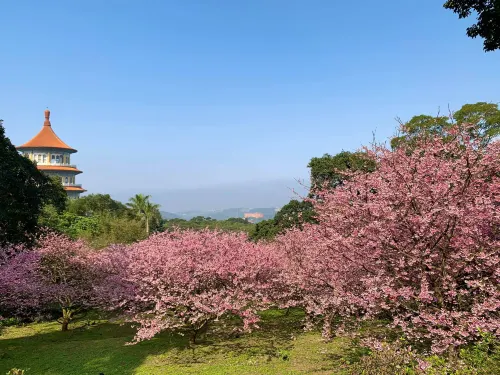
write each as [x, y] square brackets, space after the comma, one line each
[418, 238]
[60, 272]
[22, 292]
[188, 279]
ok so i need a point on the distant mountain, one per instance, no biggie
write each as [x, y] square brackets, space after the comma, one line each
[253, 214]
[169, 215]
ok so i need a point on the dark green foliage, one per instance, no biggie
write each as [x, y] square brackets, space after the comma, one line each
[264, 231]
[96, 204]
[73, 225]
[115, 230]
[55, 194]
[100, 230]
[292, 215]
[483, 117]
[239, 220]
[23, 192]
[419, 126]
[100, 220]
[327, 170]
[201, 219]
[145, 210]
[488, 19]
[484, 356]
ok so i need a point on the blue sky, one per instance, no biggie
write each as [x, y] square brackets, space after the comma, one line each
[174, 98]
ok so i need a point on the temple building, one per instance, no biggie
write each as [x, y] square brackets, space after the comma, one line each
[53, 157]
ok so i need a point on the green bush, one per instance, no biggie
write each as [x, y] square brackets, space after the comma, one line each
[8, 322]
[482, 358]
[389, 359]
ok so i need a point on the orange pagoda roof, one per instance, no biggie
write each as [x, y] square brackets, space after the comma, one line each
[56, 168]
[74, 188]
[46, 138]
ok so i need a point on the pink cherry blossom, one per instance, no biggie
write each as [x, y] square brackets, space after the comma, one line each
[59, 272]
[416, 239]
[188, 278]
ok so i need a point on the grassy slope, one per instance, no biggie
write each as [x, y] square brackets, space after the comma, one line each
[279, 347]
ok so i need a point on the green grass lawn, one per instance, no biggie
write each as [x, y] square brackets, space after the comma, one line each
[279, 347]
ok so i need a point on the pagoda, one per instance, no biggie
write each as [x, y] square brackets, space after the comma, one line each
[53, 157]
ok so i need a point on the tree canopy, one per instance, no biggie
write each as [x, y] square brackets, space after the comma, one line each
[145, 210]
[98, 219]
[488, 19]
[292, 215]
[327, 170]
[483, 119]
[96, 204]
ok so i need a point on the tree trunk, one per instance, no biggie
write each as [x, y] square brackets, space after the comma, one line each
[66, 318]
[147, 225]
[64, 325]
[192, 338]
[198, 331]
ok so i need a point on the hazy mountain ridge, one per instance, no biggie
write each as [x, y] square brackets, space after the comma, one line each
[267, 212]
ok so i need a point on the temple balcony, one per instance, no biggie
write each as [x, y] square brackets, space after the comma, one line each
[57, 164]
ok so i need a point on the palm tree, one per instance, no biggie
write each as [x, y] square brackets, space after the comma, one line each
[143, 208]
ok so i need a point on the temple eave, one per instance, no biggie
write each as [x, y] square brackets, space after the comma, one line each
[74, 188]
[42, 147]
[55, 168]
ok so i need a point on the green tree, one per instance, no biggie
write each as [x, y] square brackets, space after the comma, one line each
[239, 220]
[156, 221]
[488, 19]
[114, 230]
[144, 209]
[23, 192]
[420, 126]
[330, 170]
[265, 230]
[484, 118]
[100, 220]
[97, 204]
[201, 219]
[294, 214]
[68, 223]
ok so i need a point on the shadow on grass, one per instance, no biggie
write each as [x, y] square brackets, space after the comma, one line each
[273, 339]
[95, 350]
